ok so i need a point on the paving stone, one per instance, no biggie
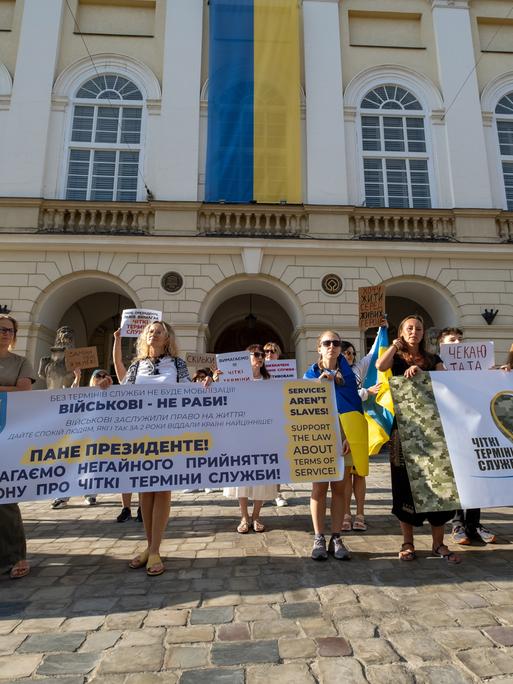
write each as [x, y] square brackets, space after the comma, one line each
[10, 642]
[298, 610]
[297, 648]
[166, 617]
[357, 628]
[78, 679]
[501, 635]
[185, 657]
[373, 651]
[475, 618]
[276, 628]
[68, 663]
[331, 670]
[385, 674]
[52, 643]
[290, 673]
[441, 674]
[125, 620]
[461, 639]
[317, 627]
[418, 647]
[488, 662]
[211, 616]
[37, 625]
[7, 626]
[83, 624]
[14, 666]
[150, 678]
[191, 634]
[333, 647]
[246, 613]
[102, 640]
[236, 631]
[238, 653]
[143, 637]
[393, 625]
[140, 659]
[212, 676]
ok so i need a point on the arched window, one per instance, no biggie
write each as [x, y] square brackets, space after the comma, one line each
[395, 157]
[504, 115]
[105, 145]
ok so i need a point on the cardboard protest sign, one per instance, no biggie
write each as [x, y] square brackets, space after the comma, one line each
[200, 360]
[235, 367]
[283, 369]
[133, 321]
[371, 306]
[82, 357]
[461, 356]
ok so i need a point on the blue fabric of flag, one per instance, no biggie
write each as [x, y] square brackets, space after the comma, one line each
[379, 409]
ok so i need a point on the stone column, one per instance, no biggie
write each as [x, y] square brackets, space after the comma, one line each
[176, 151]
[26, 131]
[470, 183]
[325, 137]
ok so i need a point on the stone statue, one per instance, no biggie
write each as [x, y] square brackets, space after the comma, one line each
[52, 368]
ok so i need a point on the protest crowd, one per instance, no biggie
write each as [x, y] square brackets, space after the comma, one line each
[355, 383]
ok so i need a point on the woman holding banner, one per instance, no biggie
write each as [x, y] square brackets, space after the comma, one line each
[259, 493]
[333, 367]
[407, 356]
[157, 354]
[16, 375]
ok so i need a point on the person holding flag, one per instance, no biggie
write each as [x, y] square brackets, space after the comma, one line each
[333, 367]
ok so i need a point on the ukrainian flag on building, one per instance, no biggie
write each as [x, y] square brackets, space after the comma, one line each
[378, 409]
[253, 147]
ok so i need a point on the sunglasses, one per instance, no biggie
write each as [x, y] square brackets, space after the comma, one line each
[329, 343]
[7, 331]
[257, 355]
[270, 351]
[101, 375]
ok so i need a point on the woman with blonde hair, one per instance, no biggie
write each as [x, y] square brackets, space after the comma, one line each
[156, 354]
[16, 375]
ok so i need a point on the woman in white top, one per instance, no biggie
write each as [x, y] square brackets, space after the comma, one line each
[157, 354]
[260, 493]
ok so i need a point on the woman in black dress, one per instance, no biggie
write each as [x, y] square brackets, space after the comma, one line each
[407, 356]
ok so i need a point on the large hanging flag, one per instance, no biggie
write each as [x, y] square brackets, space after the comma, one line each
[253, 148]
[379, 408]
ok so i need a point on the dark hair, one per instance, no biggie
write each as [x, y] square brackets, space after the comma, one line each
[14, 325]
[427, 358]
[448, 331]
[345, 345]
[203, 371]
[263, 370]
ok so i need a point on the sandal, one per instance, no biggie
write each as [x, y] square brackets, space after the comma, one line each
[258, 526]
[139, 561]
[346, 525]
[451, 557]
[154, 566]
[19, 570]
[359, 523]
[407, 552]
[243, 527]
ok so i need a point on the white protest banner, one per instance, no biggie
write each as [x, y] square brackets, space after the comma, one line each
[468, 356]
[133, 321]
[163, 437]
[284, 369]
[235, 367]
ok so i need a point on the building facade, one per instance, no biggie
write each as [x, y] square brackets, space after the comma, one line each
[407, 173]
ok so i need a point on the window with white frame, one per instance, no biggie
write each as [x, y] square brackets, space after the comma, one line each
[394, 147]
[504, 115]
[105, 146]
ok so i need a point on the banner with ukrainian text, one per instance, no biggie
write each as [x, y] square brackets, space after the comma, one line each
[456, 431]
[164, 437]
[253, 144]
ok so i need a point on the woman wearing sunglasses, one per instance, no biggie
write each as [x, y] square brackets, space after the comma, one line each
[332, 367]
[260, 493]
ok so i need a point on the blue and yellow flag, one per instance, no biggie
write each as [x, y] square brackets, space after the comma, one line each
[253, 148]
[378, 409]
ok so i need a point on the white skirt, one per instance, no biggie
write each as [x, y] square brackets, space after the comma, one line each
[258, 493]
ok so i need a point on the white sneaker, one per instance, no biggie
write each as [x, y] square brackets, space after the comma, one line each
[60, 503]
[280, 501]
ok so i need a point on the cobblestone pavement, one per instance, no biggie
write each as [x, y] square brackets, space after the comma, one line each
[253, 608]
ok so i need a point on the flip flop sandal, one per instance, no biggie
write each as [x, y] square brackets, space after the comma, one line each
[450, 557]
[258, 526]
[359, 523]
[18, 571]
[154, 566]
[407, 552]
[346, 525]
[243, 527]
[139, 561]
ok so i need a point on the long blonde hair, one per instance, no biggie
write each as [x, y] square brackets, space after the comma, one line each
[170, 347]
[339, 378]
[14, 322]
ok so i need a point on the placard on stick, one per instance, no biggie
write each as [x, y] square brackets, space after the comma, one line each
[82, 357]
[371, 306]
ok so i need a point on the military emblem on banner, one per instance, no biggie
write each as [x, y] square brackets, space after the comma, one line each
[501, 408]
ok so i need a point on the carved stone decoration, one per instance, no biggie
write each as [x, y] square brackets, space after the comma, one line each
[52, 368]
[171, 282]
[332, 284]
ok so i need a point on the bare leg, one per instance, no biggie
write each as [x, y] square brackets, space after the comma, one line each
[318, 506]
[438, 536]
[147, 502]
[348, 490]
[359, 488]
[160, 517]
[407, 531]
[440, 548]
[257, 507]
[126, 500]
[338, 490]
[243, 503]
